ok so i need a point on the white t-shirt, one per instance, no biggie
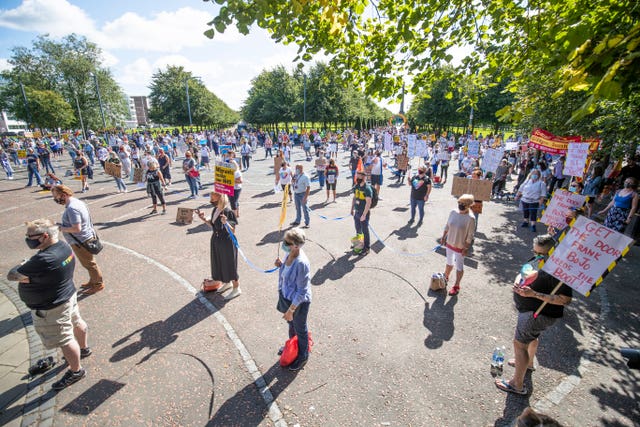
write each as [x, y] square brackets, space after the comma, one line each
[285, 176]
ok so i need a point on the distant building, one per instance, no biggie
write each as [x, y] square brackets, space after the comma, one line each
[10, 124]
[139, 107]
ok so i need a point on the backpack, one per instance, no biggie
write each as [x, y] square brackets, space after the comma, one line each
[374, 197]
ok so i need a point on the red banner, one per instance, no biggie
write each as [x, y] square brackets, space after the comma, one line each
[550, 143]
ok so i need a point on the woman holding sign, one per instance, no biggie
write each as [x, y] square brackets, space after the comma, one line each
[623, 206]
[224, 253]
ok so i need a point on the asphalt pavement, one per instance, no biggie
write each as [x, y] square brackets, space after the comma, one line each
[387, 350]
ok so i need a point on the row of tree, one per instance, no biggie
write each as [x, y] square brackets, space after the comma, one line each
[319, 97]
[63, 84]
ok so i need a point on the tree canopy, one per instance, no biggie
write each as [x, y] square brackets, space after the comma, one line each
[278, 96]
[59, 75]
[169, 100]
[591, 46]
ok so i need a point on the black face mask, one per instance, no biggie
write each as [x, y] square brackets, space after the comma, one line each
[59, 200]
[462, 207]
[359, 181]
[32, 243]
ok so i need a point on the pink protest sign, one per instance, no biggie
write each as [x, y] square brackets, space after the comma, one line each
[587, 252]
[555, 213]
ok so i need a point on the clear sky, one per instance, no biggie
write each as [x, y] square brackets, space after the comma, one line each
[139, 37]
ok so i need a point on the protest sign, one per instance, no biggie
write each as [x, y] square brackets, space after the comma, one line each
[224, 178]
[555, 213]
[411, 145]
[473, 149]
[388, 142]
[113, 169]
[184, 216]
[224, 149]
[586, 254]
[511, 145]
[480, 188]
[576, 161]
[553, 144]
[138, 175]
[22, 154]
[421, 147]
[491, 159]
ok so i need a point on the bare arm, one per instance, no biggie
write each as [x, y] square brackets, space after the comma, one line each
[14, 276]
[75, 228]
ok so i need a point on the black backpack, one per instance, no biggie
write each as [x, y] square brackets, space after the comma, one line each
[374, 196]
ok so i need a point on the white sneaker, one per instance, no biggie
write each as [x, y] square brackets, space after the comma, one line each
[224, 288]
[234, 293]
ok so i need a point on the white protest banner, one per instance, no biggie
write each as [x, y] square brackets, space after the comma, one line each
[388, 141]
[491, 159]
[577, 153]
[587, 252]
[421, 147]
[511, 145]
[473, 149]
[411, 145]
[555, 213]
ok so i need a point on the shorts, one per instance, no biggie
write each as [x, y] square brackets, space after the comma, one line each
[529, 329]
[456, 259]
[331, 186]
[55, 326]
[376, 179]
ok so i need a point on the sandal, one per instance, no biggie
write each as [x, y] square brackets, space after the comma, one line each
[42, 366]
[512, 363]
[454, 291]
[504, 385]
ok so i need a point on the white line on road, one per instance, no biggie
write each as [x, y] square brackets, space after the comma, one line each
[274, 411]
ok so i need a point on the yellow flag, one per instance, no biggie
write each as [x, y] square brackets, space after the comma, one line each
[283, 212]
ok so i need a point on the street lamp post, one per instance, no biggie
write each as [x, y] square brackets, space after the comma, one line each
[26, 104]
[186, 83]
[80, 116]
[104, 123]
[304, 104]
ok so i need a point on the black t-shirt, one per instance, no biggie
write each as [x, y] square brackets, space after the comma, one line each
[544, 283]
[419, 187]
[50, 274]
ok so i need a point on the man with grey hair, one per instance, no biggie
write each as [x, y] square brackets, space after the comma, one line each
[45, 285]
[529, 297]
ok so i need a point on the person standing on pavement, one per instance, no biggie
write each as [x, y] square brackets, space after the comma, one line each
[234, 200]
[457, 238]
[245, 152]
[528, 300]
[45, 285]
[33, 167]
[6, 165]
[45, 157]
[191, 173]
[420, 191]
[331, 174]
[557, 177]
[301, 189]
[223, 252]
[113, 158]
[376, 171]
[164, 162]
[77, 229]
[532, 193]
[360, 209]
[155, 186]
[294, 288]
[82, 167]
[284, 177]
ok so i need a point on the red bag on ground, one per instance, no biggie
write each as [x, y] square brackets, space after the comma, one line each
[290, 352]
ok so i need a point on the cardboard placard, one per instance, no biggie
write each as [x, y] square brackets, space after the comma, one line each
[480, 188]
[137, 175]
[184, 216]
[224, 178]
[577, 153]
[113, 169]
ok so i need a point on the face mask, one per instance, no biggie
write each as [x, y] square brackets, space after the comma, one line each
[59, 200]
[572, 189]
[32, 243]
[286, 247]
[627, 185]
[534, 177]
[359, 181]
[462, 207]
[568, 220]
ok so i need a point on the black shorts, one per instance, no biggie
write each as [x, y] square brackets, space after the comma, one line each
[331, 186]
[376, 179]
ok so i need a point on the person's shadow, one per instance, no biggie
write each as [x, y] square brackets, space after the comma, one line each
[160, 334]
[438, 319]
[241, 409]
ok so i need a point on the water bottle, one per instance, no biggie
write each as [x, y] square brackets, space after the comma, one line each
[501, 354]
[494, 361]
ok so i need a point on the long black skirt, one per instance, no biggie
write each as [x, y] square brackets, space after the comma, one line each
[224, 259]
